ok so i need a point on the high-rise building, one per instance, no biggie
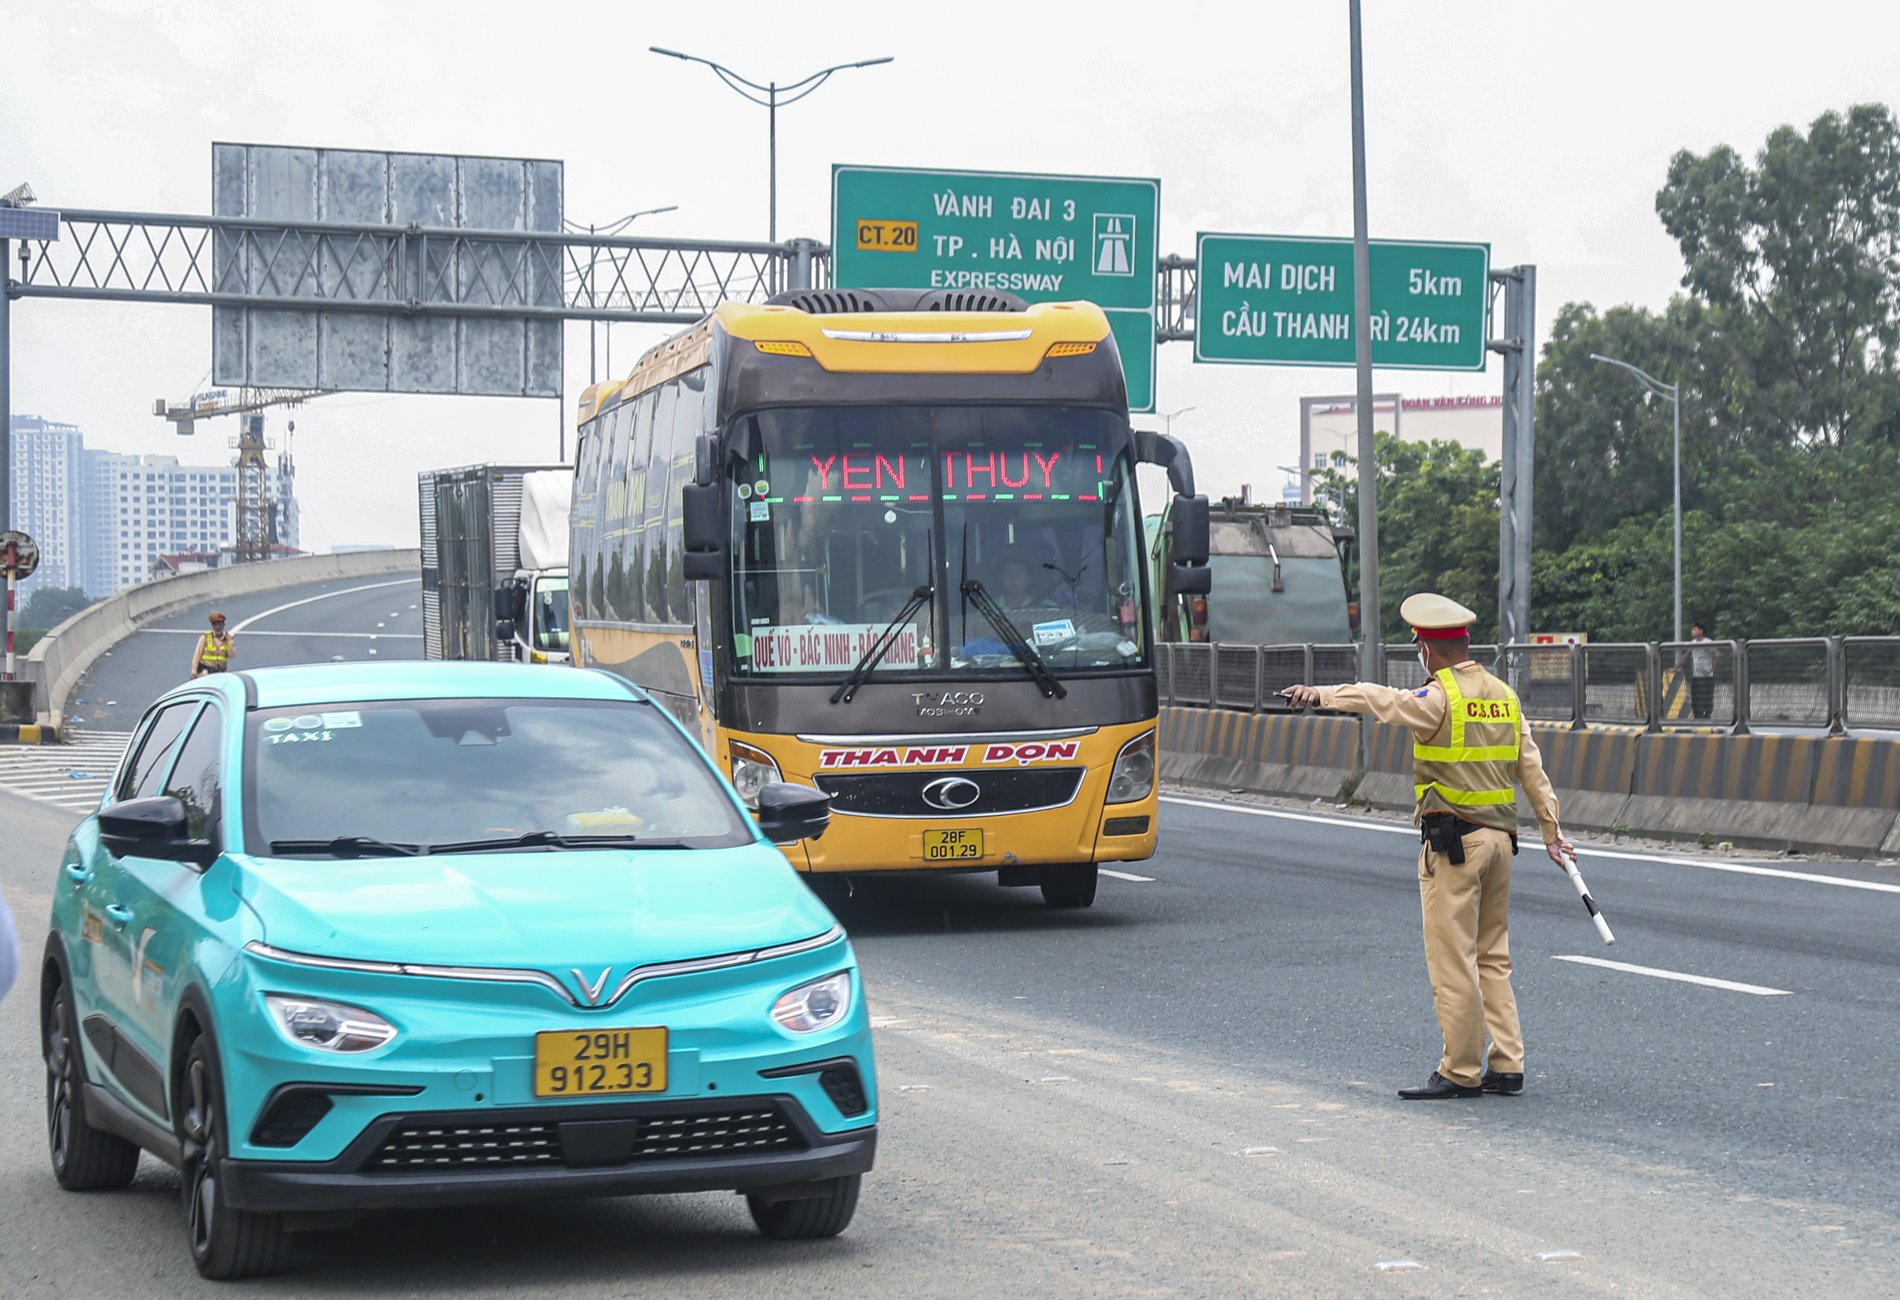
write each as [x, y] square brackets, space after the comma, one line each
[101, 517]
[48, 467]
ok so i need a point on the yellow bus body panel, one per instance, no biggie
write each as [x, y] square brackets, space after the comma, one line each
[1044, 325]
[1068, 834]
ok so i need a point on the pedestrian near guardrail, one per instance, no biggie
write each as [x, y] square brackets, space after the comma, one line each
[1470, 749]
[213, 654]
[1701, 654]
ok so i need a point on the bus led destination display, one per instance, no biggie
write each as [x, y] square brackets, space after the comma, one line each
[1288, 301]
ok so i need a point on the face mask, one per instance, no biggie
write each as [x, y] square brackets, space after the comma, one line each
[1423, 662]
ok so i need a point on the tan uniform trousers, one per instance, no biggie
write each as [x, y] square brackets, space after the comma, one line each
[1468, 953]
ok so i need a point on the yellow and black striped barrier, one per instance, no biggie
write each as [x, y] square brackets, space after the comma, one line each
[1802, 793]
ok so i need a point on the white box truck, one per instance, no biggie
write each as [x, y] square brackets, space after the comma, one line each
[494, 562]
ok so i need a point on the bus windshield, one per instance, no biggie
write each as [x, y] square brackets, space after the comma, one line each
[846, 518]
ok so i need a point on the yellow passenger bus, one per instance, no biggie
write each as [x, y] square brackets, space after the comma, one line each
[888, 543]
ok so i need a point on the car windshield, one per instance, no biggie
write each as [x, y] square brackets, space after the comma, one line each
[430, 772]
[842, 516]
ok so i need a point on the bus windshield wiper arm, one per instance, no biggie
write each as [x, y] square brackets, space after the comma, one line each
[882, 646]
[976, 593]
[347, 846]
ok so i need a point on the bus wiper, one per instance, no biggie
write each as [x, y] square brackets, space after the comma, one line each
[347, 846]
[975, 592]
[536, 839]
[882, 646]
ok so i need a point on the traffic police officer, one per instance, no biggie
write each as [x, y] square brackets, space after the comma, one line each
[213, 654]
[1470, 748]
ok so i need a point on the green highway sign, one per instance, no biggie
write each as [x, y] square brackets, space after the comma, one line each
[1286, 300]
[1043, 238]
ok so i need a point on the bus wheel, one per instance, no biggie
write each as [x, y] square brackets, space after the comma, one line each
[1070, 885]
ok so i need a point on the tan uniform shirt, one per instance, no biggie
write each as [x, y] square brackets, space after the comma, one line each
[1423, 712]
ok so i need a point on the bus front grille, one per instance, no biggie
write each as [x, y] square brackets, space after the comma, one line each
[923, 793]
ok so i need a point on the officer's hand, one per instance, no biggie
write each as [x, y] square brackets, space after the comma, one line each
[1562, 852]
[1302, 697]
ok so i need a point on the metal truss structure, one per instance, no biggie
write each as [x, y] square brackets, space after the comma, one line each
[259, 263]
[208, 261]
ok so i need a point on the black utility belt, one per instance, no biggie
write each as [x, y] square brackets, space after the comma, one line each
[1446, 833]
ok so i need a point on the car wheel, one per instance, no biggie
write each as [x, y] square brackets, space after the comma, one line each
[84, 1159]
[1069, 885]
[225, 1243]
[819, 1216]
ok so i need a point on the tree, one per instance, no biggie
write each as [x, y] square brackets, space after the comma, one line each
[1804, 250]
[1438, 527]
[48, 607]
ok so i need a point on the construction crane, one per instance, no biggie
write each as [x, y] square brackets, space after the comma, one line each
[256, 523]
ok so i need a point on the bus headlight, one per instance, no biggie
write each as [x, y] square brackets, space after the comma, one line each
[752, 770]
[1134, 774]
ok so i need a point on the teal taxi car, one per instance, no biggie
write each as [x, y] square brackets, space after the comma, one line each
[354, 936]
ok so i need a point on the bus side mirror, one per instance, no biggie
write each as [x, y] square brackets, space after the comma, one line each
[1192, 579]
[702, 530]
[1188, 518]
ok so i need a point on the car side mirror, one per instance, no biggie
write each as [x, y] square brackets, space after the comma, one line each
[506, 599]
[789, 813]
[154, 827]
[1192, 579]
[504, 629]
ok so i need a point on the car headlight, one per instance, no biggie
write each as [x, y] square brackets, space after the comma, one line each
[814, 1006]
[752, 770]
[1134, 774]
[331, 1026]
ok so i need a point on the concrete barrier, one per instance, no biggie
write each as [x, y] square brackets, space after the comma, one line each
[63, 654]
[1807, 793]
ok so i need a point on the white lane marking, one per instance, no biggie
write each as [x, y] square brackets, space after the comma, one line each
[1734, 868]
[308, 600]
[1704, 980]
[394, 636]
[1127, 875]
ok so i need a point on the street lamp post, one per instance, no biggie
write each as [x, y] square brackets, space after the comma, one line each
[774, 95]
[1674, 393]
[610, 229]
[1167, 418]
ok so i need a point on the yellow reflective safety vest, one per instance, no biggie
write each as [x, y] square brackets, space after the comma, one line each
[213, 653]
[1469, 767]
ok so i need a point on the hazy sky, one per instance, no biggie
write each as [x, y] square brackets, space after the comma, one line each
[1541, 128]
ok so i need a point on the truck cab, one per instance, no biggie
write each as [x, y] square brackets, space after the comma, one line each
[1278, 578]
[531, 616]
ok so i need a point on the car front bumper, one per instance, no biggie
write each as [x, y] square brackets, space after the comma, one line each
[418, 1159]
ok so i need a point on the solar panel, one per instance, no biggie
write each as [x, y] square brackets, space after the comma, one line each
[28, 223]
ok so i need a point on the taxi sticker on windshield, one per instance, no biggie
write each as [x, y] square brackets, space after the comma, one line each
[1060, 629]
[760, 511]
[338, 721]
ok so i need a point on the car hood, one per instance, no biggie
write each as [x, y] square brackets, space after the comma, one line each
[540, 910]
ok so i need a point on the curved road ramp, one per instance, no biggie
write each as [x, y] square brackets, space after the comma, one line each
[64, 654]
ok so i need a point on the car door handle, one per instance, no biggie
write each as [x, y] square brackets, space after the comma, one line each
[119, 916]
[78, 874]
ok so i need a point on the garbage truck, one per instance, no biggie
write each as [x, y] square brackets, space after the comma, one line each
[1279, 578]
[494, 562]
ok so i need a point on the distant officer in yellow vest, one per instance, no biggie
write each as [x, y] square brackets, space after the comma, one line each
[1470, 749]
[213, 654]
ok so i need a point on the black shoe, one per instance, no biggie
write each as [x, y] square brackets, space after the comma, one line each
[1508, 1085]
[1439, 1088]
